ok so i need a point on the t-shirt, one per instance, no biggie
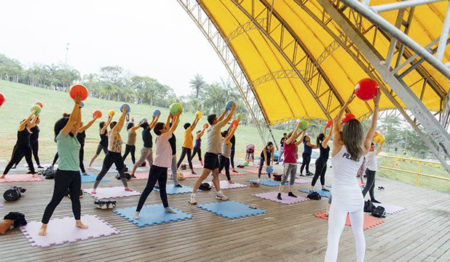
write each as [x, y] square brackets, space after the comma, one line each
[147, 137]
[115, 142]
[307, 150]
[188, 138]
[173, 144]
[131, 138]
[214, 138]
[226, 149]
[163, 150]
[68, 152]
[371, 161]
[34, 134]
[289, 153]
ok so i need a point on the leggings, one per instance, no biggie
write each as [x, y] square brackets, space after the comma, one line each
[35, 149]
[156, 174]
[146, 154]
[321, 169]
[17, 154]
[197, 150]
[232, 158]
[65, 180]
[185, 151]
[130, 149]
[82, 159]
[224, 162]
[112, 158]
[173, 167]
[289, 169]
[261, 164]
[305, 162]
[370, 184]
[336, 223]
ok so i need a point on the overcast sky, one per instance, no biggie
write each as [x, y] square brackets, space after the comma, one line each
[148, 37]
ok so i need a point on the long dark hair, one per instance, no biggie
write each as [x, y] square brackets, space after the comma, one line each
[320, 138]
[353, 138]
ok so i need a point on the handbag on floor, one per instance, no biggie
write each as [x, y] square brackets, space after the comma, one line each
[14, 193]
[49, 173]
[314, 196]
[368, 206]
[379, 211]
[105, 204]
[205, 186]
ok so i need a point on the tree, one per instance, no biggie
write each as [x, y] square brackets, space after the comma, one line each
[197, 84]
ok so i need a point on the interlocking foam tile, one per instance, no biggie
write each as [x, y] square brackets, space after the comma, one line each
[225, 185]
[369, 221]
[255, 171]
[188, 174]
[172, 190]
[266, 182]
[63, 230]
[98, 169]
[197, 166]
[140, 175]
[1, 204]
[91, 178]
[391, 209]
[152, 215]
[286, 199]
[10, 178]
[322, 193]
[301, 181]
[231, 209]
[111, 192]
[234, 173]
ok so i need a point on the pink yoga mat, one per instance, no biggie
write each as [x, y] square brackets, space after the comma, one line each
[111, 192]
[140, 175]
[225, 185]
[272, 196]
[21, 178]
[369, 221]
[63, 230]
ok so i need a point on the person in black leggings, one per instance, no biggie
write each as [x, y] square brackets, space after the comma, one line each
[34, 145]
[306, 156]
[224, 157]
[81, 136]
[321, 162]
[187, 147]
[266, 158]
[55, 158]
[103, 144]
[233, 146]
[372, 165]
[198, 145]
[68, 173]
[23, 146]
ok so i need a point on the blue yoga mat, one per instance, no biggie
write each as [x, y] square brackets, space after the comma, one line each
[322, 193]
[266, 182]
[152, 215]
[172, 190]
[232, 209]
[91, 178]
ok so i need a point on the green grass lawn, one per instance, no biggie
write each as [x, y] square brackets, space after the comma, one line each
[20, 98]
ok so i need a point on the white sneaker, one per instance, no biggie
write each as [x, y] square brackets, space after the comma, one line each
[192, 201]
[222, 197]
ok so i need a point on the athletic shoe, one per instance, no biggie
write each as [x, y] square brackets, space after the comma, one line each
[178, 185]
[222, 197]
[324, 189]
[309, 174]
[192, 201]
[291, 194]
[193, 172]
[279, 196]
[39, 166]
[376, 201]
[302, 174]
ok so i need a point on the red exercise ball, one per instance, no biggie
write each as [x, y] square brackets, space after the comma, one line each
[234, 123]
[205, 126]
[78, 90]
[329, 123]
[97, 114]
[2, 99]
[366, 89]
[39, 104]
[348, 117]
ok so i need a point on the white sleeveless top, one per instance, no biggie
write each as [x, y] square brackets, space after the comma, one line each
[371, 160]
[345, 169]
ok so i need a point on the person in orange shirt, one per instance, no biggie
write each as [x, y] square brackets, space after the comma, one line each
[188, 144]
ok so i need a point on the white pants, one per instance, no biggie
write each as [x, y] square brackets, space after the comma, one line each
[351, 202]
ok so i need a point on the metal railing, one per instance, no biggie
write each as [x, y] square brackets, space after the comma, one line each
[420, 163]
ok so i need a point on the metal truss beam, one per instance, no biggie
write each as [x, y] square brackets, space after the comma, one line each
[225, 53]
[430, 124]
[401, 5]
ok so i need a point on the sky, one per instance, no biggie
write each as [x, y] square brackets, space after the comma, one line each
[156, 38]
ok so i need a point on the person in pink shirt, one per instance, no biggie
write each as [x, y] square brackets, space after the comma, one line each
[163, 160]
[290, 160]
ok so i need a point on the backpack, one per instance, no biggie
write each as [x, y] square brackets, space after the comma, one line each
[49, 173]
[205, 186]
[14, 193]
[127, 176]
[379, 211]
[314, 196]
[276, 177]
[368, 206]
[105, 204]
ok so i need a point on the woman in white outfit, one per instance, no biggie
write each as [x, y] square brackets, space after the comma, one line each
[349, 149]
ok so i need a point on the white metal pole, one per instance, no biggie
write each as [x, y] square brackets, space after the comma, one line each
[444, 35]
[400, 5]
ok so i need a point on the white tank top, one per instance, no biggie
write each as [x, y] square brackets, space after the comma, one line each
[345, 169]
[371, 159]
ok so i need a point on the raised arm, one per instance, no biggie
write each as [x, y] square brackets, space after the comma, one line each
[105, 127]
[33, 122]
[327, 137]
[230, 133]
[373, 124]
[337, 139]
[134, 128]
[87, 126]
[194, 124]
[301, 138]
[175, 121]
[24, 123]
[379, 148]
[154, 121]
[202, 133]
[293, 135]
[220, 118]
[121, 122]
[74, 117]
[229, 116]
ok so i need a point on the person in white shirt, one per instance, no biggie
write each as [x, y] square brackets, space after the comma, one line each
[372, 166]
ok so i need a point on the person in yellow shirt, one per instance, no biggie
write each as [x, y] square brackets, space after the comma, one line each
[188, 144]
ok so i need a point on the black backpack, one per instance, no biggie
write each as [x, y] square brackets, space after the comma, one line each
[205, 186]
[127, 176]
[14, 193]
[314, 196]
[368, 206]
[379, 211]
[49, 173]
[19, 218]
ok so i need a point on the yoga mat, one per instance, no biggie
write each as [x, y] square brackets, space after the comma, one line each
[173, 190]
[322, 193]
[272, 196]
[140, 175]
[369, 221]
[188, 174]
[225, 185]
[111, 192]
[152, 215]
[63, 230]
[91, 178]
[253, 171]
[10, 178]
[301, 181]
[390, 209]
[265, 182]
[232, 209]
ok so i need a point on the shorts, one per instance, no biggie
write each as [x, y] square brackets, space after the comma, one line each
[101, 147]
[211, 161]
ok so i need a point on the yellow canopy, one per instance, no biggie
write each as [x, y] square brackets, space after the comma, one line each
[298, 70]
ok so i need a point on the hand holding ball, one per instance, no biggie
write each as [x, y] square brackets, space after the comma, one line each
[111, 113]
[2, 99]
[366, 89]
[304, 124]
[156, 113]
[176, 108]
[379, 139]
[125, 108]
[329, 123]
[78, 91]
[36, 109]
[205, 126]
[198, 115]
[39, 104]
[229, 105]
[97, 114]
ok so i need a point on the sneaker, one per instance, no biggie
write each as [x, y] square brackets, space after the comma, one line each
[133, 176]
[192, 201]
[376, 201]
[193, 172]
[39, 166]
[301, 174]
[324, 189]
[309, 174]
[178, 185]
[291, 194]
[222, 197]
[279, 196]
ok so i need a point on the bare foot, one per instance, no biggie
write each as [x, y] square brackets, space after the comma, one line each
[128, 189]
[43, 230]
[230, 182]
[80, 224]
[2, 176]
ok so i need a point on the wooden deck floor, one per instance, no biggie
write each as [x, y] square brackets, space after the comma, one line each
[285, 233]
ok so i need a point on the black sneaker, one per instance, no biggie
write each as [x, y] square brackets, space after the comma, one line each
[376, 201]
[279, 196]
[309, 174]
[301, 174]
[291, 194]
[324, 189]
